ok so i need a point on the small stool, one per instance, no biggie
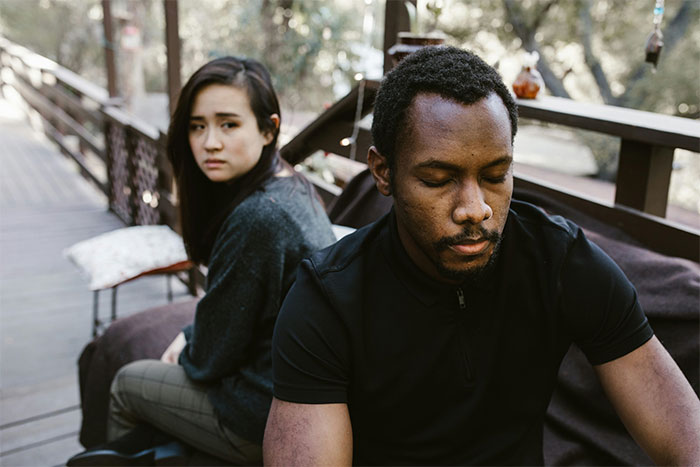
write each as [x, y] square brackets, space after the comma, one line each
[168, 271]
[122, 255]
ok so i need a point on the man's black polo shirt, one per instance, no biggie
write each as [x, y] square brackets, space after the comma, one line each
[430, 378]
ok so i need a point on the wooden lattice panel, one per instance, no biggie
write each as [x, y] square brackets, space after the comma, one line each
[119, 173]
[145, 182]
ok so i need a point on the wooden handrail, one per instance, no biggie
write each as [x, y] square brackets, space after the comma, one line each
[139, 180]
[629, 124]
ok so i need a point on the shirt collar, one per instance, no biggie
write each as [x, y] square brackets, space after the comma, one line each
[426, 289]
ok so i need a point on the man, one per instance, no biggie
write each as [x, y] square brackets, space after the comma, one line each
[434, 335]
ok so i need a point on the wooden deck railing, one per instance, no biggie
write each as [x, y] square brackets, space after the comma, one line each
[138, 180]
[122, 155]
[647, 143]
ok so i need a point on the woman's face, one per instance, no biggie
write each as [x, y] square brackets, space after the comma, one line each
[224, 134]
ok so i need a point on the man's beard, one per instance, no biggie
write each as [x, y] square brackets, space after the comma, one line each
[472, 276]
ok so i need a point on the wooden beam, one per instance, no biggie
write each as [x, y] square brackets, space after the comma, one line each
[172, 44]
[643, 176]
[631, 124]
[316, 135]
[109, 48]
[396, 20]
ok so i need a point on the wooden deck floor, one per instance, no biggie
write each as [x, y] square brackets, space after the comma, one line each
[45, 305]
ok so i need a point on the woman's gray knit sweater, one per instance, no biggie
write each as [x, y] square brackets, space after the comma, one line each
[252, 266]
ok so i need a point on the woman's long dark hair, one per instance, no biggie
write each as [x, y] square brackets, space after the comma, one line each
[204, 204]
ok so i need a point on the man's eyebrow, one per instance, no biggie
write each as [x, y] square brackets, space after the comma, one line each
[500, 161]
[436, 164]
[441, 165]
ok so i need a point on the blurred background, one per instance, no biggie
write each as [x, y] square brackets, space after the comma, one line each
[589, 50]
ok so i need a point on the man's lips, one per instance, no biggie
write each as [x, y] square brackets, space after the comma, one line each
[470, 247]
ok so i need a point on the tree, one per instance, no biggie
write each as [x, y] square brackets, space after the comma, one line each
[62, 30]
[304, 43]
[594, 45]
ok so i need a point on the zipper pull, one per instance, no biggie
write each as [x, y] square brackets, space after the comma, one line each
[462, 301]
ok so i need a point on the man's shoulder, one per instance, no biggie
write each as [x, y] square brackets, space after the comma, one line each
[349, 251]
[536, 221]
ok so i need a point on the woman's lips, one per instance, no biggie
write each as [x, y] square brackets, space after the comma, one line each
[213, 162]
[471, 248]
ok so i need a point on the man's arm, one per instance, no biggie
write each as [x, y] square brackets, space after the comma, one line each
[655, 402]
[307, 435]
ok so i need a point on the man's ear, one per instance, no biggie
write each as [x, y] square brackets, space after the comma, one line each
[379, 167]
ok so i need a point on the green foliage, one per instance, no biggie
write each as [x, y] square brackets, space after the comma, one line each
[58, 29]
[303, 43]
[618, 33]
[306, 44]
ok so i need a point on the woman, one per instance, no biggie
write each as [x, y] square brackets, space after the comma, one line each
[247, 215]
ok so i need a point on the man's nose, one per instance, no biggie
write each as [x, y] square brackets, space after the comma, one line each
[212, 142]
[470, 205]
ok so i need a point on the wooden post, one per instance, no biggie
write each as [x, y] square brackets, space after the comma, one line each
[172, 43]
[643, 176]
[396, 20]
[109, 48]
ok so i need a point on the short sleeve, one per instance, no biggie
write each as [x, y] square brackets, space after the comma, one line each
[310, 345]
[600, 304]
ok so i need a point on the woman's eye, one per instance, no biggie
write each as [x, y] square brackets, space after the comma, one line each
[196, 126]
[228, 125]
[433, 184]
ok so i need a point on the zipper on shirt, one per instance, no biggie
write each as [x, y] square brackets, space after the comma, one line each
[462, 340]
[461, 300]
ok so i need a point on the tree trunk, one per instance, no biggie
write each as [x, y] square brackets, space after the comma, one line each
[589, 56]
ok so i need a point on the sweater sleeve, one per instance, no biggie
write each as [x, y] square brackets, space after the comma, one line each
[244, 282]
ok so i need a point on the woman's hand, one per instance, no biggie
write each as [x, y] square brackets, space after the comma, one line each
[172, 353]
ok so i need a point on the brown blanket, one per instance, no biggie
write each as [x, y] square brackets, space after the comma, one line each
[143, 335]
[581, 426]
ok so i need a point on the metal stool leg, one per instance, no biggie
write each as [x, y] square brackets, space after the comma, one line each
[95, 316]
[114, 303]
[169, 285]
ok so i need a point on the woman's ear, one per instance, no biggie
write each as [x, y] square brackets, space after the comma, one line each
[270, 134]
[380, 170]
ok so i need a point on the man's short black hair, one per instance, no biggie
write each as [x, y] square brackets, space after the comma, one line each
[447, 71]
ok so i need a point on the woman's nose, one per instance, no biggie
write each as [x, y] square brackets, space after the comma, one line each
[212, 142]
